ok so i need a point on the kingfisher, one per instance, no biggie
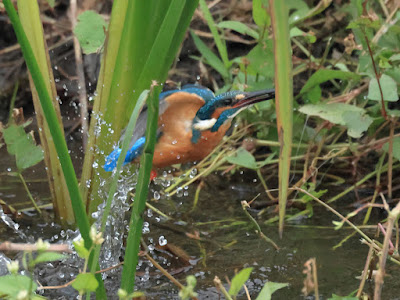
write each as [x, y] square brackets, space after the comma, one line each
[192, 122]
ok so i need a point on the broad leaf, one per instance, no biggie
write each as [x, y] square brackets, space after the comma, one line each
[22, 145]
[261, 59]
[243, 158]
[85, 282]
[389, 89]
[324, 75]
[353, 117]
[90, 31]
[260, 15]
[269, 288]
[239, 280]
[11, 285]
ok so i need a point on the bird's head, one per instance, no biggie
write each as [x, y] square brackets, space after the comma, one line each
[225, 107]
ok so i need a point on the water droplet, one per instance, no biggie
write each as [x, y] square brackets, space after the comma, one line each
[162, 240]
[193, 173]
[156, 195]
[179, 192]
[174, 142]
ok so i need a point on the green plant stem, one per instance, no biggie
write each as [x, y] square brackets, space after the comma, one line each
[220, 286]
[51, 118]
[377, 184]
[142, 187]
[221, 46]
[284, 98]
[393, 218]
[336, 213]
[358, 183]
[258, 228]
[12, 102]
[29, 193]
[156, 210]
[55, 130]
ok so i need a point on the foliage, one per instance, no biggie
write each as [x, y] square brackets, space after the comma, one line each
[188, 291]
[269, 288]
[22, 146]
[17, 286]
[90, 31]
[239, 280]
[354, 118]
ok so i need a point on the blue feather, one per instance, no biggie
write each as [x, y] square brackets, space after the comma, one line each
[222, 118]
[208, 109]
[199, 90]
[135, 151]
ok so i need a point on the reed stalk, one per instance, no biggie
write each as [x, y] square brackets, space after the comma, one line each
[284, 98]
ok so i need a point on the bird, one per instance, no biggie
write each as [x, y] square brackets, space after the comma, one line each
[192, 122]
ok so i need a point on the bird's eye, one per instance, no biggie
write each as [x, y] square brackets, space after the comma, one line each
[228, 101]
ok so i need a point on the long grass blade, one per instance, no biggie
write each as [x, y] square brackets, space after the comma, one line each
[284, 98]
[56, 132]
[30, 18]
[220, 43]
[142, 187]
[52, 120]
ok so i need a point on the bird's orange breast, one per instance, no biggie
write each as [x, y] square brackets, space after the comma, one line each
[175, 146]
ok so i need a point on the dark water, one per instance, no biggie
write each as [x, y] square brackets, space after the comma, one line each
[228, 243]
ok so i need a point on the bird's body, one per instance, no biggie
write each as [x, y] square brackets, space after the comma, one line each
[192, 122]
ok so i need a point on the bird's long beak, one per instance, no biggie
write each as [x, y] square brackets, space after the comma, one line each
[249, 98]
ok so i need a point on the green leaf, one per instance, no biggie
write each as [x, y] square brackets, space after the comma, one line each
[269, 288]
[336, 297]
[389, 89]
[323, 75]
[314, 94]
[396, 148]
[260, 15]
[239, 27]
[261, 59]
[295, 31]
[52, 3]
[22, 145]
[243, 158]
[81, 250]
[90, 31]
[210, 57]
[48, 256]
[239, 280]
[85, 282]
[356, 122]
[353, 117]
[11, 285]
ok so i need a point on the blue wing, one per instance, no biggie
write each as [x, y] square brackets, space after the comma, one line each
[133, 152]
[138, 140]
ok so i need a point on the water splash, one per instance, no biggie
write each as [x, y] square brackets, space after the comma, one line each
[116, 224]
[11, 224]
